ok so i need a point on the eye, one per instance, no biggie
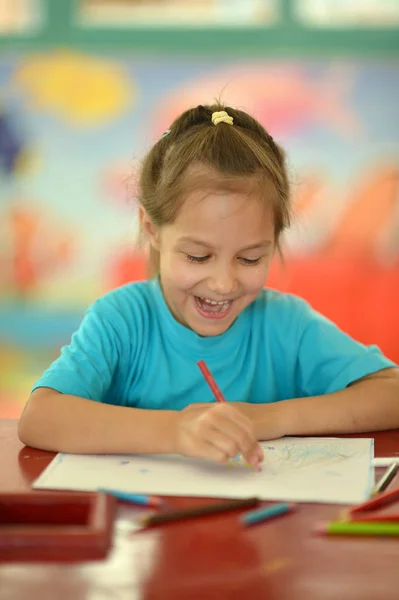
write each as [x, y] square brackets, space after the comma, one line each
[251, 261]
[197, 259]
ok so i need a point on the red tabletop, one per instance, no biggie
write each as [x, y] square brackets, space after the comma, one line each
[212, 558]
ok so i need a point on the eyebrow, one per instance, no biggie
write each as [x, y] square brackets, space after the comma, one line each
[262, 244]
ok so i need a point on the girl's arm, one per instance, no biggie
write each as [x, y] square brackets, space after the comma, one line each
[65, 423]
[369, 404]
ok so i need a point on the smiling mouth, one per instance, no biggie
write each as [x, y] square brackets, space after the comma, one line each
[212, 309]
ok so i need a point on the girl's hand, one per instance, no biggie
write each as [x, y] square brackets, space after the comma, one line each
[216, 432]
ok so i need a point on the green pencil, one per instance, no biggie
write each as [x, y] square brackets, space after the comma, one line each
[359, 528]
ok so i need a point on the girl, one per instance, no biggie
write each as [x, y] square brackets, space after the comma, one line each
[214, 203]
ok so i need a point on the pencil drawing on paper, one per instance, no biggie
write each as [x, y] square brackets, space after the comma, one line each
[289, 456]
[293, 456]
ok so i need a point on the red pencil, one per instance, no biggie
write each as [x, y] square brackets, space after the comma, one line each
[211, 382]
[214, 387]
[377, 502]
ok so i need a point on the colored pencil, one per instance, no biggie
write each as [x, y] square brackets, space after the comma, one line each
[377, 502]
[211, 382]
[385, 480]
[216, 390]
[358, 528]
[265, 513]
[142, 499]
[373, 516]
[199, 511]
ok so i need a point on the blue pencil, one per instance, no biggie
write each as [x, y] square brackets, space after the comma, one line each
[143, 499]
[265, 513]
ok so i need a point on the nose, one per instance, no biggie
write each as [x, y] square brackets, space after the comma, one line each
[223, 281]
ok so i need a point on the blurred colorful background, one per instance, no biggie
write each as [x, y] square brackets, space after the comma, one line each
[86, 87]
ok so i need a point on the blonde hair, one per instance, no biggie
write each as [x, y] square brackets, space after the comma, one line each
[232, 155]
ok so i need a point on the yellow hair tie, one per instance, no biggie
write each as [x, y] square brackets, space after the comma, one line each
[221, 117]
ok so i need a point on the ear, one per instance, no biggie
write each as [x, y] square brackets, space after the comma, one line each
[150, 230]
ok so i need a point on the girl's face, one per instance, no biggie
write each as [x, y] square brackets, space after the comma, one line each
[214, 258]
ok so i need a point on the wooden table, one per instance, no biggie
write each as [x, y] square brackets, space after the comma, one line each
[211, 558]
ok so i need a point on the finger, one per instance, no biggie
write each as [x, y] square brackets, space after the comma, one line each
[228, 441]
[221, 448]
[233, 429]
[224, 443]
[209, 451]
[250, 447]
[257, 453]
[254, 457]
[237, 417]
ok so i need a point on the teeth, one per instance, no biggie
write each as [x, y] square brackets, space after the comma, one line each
[214, 302]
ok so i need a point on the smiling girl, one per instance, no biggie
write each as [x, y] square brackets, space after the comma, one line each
[214, 203]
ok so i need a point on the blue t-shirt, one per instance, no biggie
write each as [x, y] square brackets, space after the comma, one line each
[129, 350]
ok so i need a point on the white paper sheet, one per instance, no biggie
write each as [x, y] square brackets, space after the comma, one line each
[297, 469]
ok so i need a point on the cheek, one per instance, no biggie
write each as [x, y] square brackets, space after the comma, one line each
[180, 272]
[254, 278]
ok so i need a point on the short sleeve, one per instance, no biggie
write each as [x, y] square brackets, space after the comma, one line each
[329, 359]
[86, 366]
